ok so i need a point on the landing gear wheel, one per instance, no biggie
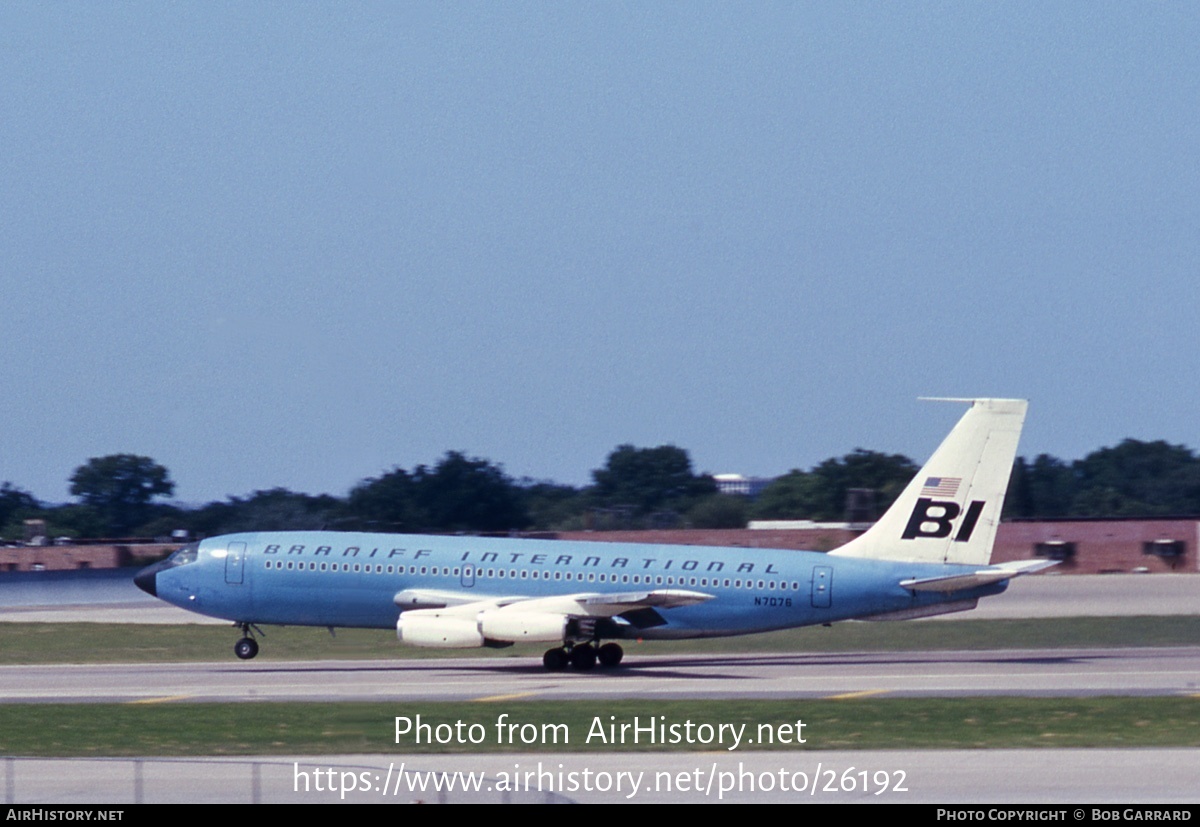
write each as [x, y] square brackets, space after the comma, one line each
[610, 655]
[246, 648]
[555, 660]
[583, 657]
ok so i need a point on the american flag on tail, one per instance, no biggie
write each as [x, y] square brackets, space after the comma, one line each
[941, 486]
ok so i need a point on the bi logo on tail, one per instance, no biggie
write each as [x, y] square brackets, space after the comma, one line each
[935, 518]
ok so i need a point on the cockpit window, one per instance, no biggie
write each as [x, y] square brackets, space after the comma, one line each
[185, 555]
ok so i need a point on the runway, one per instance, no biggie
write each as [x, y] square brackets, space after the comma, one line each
[1028, 673]
[944, 777]
[1125, 671]
[961, 778]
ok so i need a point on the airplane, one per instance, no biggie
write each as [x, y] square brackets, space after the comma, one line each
[929, 554]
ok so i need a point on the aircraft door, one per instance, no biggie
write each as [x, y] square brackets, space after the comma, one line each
[235, 562]
[468, 576]
[822, 587]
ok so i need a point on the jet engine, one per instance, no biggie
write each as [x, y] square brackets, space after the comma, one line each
[490, 627]
[521, 626]
[439, 632]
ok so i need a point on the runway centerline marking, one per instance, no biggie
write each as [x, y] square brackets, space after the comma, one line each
[865, 693]
[161, 700]
[497, 698]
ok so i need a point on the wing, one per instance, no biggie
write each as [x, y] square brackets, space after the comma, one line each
[595, 604]
[445, 614]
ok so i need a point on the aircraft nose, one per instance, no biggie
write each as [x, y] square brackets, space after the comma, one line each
[146, 579]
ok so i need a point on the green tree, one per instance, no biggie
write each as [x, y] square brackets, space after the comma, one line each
[551, 505]
[650, 479]
[385, 503]
[1138, 478]
[820, 494]
[75, 520]
[121, 487]
[720, 511]
[459, 493]
[14, 502]
[464, 493]
[885, 474]
[1046, 487]
[277, 509]
[797, 495]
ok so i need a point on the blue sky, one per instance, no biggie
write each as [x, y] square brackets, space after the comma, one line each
[299, 244]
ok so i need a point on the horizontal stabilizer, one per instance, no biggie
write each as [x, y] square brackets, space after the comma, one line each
[982, 577]
[1026, 566]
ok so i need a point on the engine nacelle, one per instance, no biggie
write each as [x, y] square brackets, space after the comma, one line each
[439, 632]
[522, 626]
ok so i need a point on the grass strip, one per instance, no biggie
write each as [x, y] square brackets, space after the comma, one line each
[40, 643]
[69, 730]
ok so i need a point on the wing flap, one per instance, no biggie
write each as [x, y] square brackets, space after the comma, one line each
[410, 599]
[596, 604]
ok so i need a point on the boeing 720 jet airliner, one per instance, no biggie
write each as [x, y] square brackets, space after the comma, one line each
[928, 555]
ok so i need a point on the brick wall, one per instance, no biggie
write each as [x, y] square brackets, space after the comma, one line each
[62, 558]
[811, 539]
[1102, 545]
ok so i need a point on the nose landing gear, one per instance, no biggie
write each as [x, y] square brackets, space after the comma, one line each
[247, 647]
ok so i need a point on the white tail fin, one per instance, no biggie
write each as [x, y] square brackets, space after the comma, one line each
[950, 510]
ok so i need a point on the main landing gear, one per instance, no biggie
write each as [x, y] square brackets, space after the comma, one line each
[247, 647]
[583, 656]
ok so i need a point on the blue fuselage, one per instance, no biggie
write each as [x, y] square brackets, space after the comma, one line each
[351, 579]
